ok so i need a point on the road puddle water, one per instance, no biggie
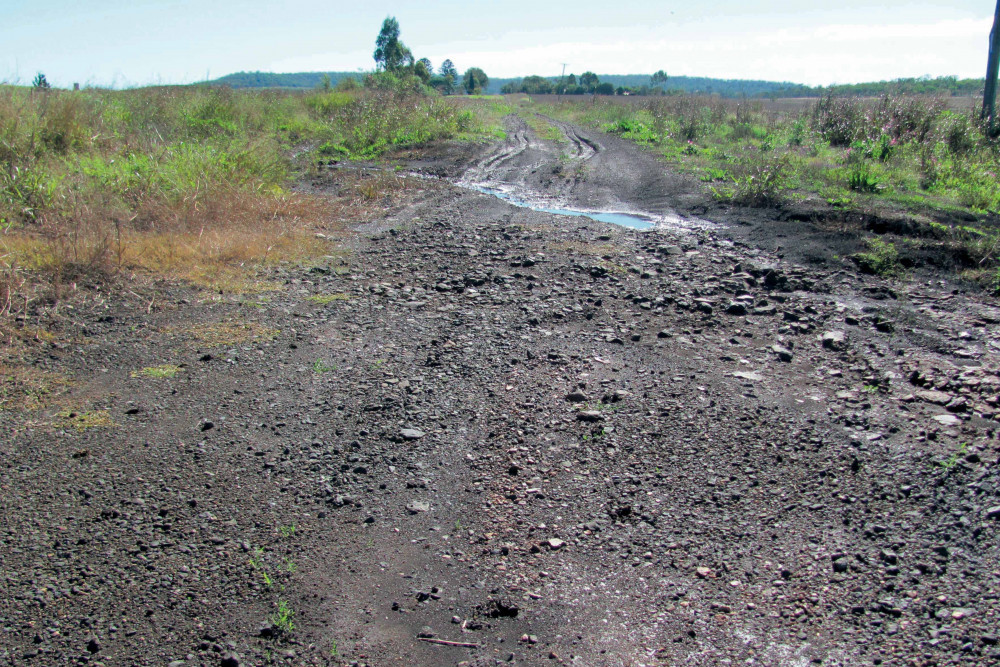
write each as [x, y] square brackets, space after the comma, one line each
[631, 220]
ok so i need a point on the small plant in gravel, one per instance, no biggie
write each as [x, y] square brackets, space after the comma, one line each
[952, 460]
[287, 530]
[257, 558]
[162, 371]
[320, 367]
[81, 421]
[290, 566]
[282, 619]
[324, 299]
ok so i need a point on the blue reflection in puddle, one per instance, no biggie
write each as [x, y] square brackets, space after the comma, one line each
[629, 220]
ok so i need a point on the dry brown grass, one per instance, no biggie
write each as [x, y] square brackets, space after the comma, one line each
[234, 332]
[27, 389]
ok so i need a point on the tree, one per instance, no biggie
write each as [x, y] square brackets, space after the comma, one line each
[536, 85]
[604, 89]
[475, 81]
[423, 69]
[450, 76]
[658, 79]
[589, 81]
[40, 82]
[391, 55]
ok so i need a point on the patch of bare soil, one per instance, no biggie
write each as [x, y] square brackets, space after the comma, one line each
[489, 435]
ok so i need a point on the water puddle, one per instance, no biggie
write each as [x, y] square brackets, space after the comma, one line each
[630, 220]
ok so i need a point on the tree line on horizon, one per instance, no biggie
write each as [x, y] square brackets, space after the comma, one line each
[678, 85]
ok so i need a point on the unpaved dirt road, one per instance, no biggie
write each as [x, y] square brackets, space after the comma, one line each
[488, 435]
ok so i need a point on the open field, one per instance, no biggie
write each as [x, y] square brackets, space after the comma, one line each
[189, 183]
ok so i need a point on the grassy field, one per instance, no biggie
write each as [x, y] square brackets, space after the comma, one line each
[924, 158]
[189, 183]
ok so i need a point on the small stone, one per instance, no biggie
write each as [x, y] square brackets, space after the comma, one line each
[555, 543]
[231, 660]
[589, 416]
[418, 506]
[426, 632]
[576, 397]
[784, 354]
[703, 572]
[840, 565]
[934, 396]
[947, 420]
[737, 309]
[993, 512]
[833, 340]
[411, 434]
[93, 645]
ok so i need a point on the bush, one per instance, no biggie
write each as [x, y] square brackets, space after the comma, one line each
[882, 259]
[758, 181]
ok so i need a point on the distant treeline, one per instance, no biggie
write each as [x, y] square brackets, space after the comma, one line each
[640, 84]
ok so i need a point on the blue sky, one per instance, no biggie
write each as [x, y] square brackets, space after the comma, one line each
[134, 42]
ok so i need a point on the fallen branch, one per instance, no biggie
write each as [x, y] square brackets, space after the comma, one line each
[445, 642]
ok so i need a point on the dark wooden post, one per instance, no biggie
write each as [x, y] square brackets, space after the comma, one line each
[990, 92]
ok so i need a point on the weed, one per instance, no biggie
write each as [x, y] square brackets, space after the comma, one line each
[290, 566]
[320, 367]
[162, 371]
[287, 531]
[759, 181]
[333, 648]
[713, 174]
[267, 578]
[952, 460]
[282, 619]
[863, 179]
[882, 259]
[257, 558]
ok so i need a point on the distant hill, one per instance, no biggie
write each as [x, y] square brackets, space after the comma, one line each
[946, 86]
[282, 80]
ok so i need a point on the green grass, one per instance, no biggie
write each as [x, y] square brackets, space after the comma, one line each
[162, 371]
[894, 155]
[326, 299]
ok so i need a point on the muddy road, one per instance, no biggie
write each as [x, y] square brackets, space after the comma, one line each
[491, 435]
